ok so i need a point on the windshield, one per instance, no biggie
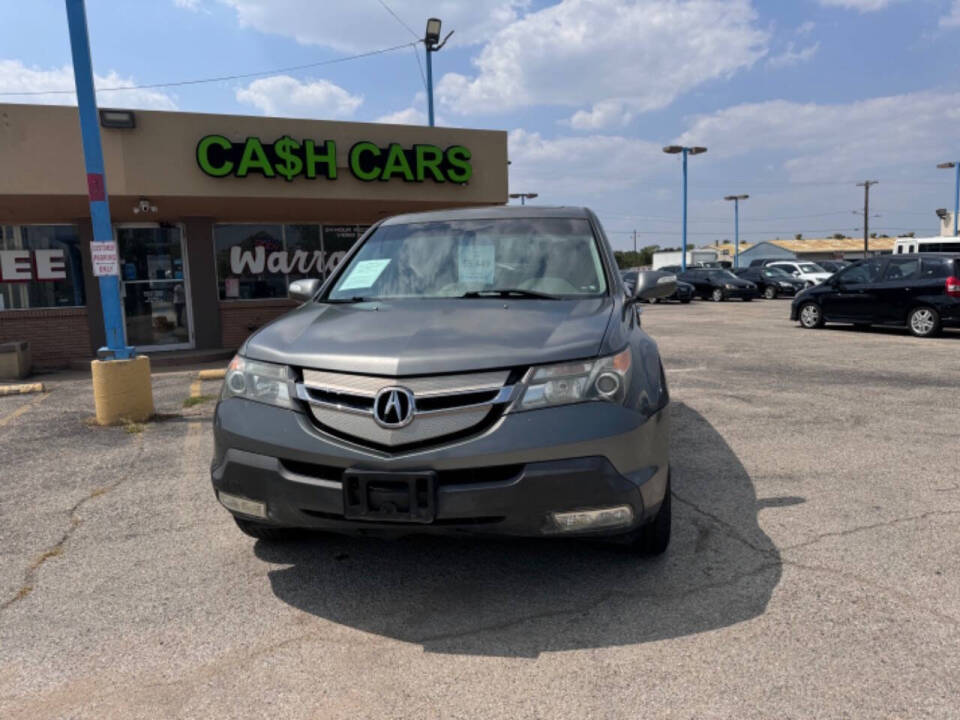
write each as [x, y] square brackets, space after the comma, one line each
[556, 257]
[775, 272]
[811, 268]
[721, 274]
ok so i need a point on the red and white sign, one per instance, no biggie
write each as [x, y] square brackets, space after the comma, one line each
[103, 257]
[28, 265]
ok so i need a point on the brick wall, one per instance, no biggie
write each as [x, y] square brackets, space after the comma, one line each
[239, 318]
[56, 335]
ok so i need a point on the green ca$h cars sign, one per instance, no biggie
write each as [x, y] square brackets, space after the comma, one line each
[218, 156]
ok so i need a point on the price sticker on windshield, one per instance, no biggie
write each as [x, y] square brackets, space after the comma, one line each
[364, 274]
[477, 262]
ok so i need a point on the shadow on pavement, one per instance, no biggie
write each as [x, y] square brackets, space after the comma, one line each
[524, 597]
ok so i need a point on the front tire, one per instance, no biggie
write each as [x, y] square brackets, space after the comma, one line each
[654, 537]
[686, 301]
[770, 292]
[924, 322]
[260, 531]
[717, 295]
[811, 316]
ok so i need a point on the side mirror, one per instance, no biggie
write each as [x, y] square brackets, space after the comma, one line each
[652, 285]
[796, 273]
[303, 290]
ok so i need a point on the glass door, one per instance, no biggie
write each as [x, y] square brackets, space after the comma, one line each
[154, 287]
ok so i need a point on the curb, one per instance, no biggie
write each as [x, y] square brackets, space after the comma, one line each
[24, 389]
[212, 374]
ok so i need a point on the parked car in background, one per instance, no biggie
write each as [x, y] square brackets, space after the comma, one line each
[771, 281]
[833, 265]
[809, 272]
[684, 292]
[718, 285]
[919, 291]
[465, 371]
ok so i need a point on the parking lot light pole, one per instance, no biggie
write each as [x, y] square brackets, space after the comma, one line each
[116, 347]
[956, 192]
[524, 197]
[431, 40]
[736, 226]
[673, 150]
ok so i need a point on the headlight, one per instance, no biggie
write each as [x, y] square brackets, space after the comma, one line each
[564, 383]
[258, 381]
[785, 285]
[730, 286]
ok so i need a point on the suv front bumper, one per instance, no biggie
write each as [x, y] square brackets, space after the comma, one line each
[508, 480]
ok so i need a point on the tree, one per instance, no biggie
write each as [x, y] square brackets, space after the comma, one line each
[907, 234]
[798, 236]
[839, 236]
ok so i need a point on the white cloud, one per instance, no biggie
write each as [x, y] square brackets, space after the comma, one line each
[830, 142]
[578, 166]
[952, 19]
[806, 28]
[349, 25]
[791, 57]
[15, 76]
[861, 5]
[284, 96]
[407, 116]
[618, 58]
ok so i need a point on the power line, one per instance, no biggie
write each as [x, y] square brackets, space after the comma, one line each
[398, 19]
[224, 78]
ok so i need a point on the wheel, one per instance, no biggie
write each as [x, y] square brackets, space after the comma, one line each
[717, 295]
[685, 301]
[770, 292]
[270, 533]
[924, 322]
[811, 316]
[747, 299]
[654, 301]
[654, 537]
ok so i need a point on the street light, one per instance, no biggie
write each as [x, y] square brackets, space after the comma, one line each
[674, 150]
[736, 226]
[956, 192]
[524, 197]
[431, 40]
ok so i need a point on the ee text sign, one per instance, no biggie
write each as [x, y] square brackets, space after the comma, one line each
[30, 265]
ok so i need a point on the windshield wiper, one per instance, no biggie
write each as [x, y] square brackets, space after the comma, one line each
[509, 292]
[342, 301]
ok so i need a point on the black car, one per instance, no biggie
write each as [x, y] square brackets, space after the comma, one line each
[684, 292]
[718, 285]
[920, 291]
[771, 281]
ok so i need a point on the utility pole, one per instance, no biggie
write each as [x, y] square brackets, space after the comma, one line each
[866, 214]
[634, 241]
[431, 40]
[736, 226]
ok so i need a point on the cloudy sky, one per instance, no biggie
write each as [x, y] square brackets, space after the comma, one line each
[797, 101]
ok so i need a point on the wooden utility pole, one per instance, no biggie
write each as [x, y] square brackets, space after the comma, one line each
[866, 214]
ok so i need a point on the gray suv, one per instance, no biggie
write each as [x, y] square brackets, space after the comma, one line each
[470, 371]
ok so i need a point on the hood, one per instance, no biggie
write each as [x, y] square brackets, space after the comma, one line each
[413, 337]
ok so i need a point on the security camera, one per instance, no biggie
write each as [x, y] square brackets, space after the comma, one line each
[941, 213]
[144, 206]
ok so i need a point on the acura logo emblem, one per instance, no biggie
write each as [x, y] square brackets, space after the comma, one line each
[393, 407]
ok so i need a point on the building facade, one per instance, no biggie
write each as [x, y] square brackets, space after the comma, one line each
[213, 215]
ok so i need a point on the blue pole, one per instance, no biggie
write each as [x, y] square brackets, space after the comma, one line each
[429, 85]
[956, 200]
[683, 245]
[96, 182]
[736, 232]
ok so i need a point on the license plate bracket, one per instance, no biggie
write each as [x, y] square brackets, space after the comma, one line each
[390, 496]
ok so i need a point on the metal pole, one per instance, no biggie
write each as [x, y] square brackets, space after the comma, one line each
[96, 182]
[736, 232]
[523, 198]
[430, 86]
[634, 241]
[956, 200]
[683, 257]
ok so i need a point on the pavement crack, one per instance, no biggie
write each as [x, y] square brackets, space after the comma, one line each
[30, 575]
[726, 527]
[871, 526]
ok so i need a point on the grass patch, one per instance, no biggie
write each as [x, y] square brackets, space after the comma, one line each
[198, 400]
[133, 428]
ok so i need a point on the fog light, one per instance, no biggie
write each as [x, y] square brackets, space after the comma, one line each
[605, 518]
[243, 505]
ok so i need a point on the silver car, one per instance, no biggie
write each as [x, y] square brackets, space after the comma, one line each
[471, 371]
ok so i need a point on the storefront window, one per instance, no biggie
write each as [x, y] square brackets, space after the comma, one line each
[259, 261]
[40, 267]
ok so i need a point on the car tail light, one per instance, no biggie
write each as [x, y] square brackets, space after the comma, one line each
[953, 287]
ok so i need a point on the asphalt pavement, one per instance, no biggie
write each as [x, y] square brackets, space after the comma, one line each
[813, 572]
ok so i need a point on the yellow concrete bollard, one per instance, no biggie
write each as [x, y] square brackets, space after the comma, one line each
[122, 390]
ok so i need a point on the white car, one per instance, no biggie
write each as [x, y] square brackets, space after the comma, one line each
[809, 272]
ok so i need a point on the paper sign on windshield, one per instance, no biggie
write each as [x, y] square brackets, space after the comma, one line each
[477, 262]
[364, 274]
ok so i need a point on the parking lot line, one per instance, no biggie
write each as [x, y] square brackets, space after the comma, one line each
[4, 421]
